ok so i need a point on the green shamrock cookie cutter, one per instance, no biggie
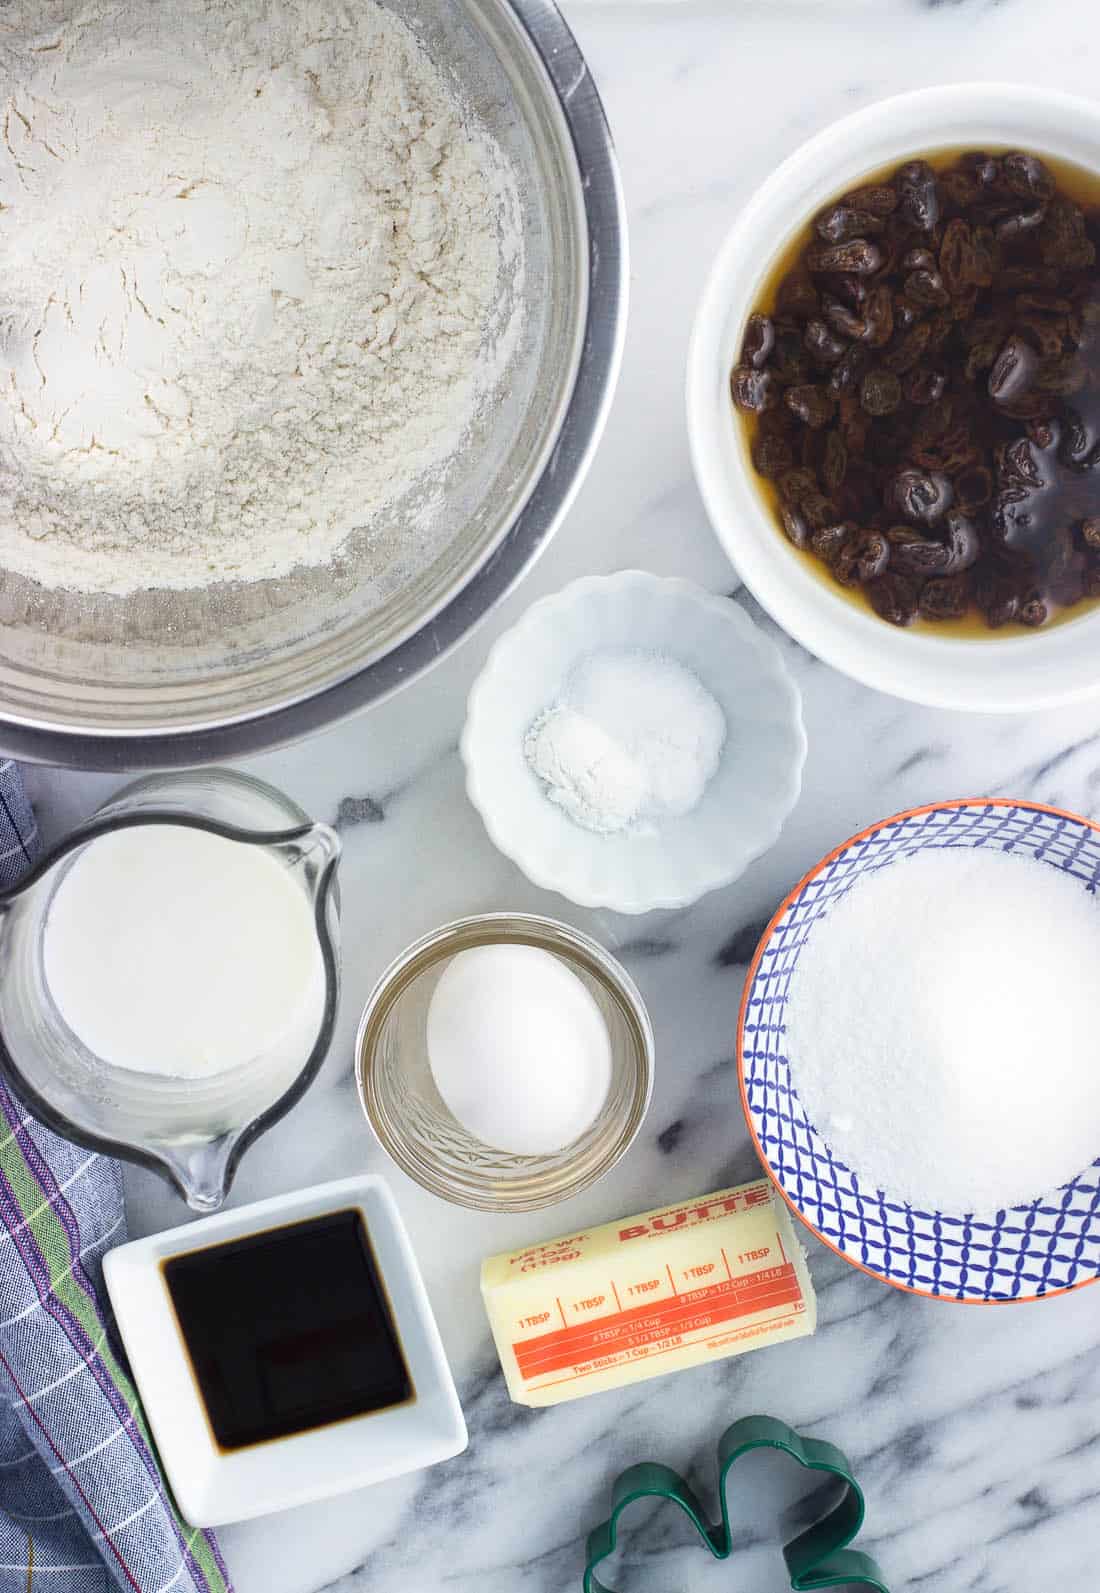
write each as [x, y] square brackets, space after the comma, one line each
[819, 1557]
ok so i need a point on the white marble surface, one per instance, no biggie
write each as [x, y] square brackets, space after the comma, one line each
[975, 1430]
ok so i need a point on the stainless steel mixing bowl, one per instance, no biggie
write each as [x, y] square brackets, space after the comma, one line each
[178, 678]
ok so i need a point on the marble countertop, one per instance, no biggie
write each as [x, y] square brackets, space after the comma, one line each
[974, 1430]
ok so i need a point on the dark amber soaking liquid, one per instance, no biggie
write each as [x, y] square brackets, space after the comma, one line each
[1076, 183]
[288, 1330]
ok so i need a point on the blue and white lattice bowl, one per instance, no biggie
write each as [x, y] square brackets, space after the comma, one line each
[1028, 1252]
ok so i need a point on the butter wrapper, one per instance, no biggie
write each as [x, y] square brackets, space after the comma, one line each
[672, 1288]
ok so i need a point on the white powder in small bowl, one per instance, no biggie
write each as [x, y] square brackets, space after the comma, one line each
[943, 1030]
[634, 738]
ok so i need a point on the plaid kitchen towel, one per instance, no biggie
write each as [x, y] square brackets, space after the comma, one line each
[83, 1505]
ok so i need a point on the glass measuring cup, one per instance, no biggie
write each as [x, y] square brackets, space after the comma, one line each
[412, 1122]
[193, 1131]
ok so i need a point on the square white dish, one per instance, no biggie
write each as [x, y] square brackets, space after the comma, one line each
[212, 1485]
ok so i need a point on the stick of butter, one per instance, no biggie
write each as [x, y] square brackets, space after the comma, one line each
[672, 1288]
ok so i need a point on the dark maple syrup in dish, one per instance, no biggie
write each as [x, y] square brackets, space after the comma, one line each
[288, 1329]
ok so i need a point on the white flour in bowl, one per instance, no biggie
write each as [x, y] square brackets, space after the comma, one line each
[252, 268]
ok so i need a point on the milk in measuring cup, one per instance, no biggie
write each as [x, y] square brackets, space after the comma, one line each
[169, 950]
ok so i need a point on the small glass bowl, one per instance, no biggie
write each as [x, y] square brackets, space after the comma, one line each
[405, 1109]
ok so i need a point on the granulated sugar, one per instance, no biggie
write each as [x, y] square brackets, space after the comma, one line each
[943, 1030]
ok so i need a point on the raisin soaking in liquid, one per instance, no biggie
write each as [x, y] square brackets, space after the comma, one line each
[288, 1329]
[1038, 507]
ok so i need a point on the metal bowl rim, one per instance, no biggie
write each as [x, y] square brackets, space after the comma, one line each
[105, 748]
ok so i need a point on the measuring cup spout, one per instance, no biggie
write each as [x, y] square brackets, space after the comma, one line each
[202, 1171]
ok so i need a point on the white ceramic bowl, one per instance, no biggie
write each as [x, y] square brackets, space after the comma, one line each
[742, 809]
[998, 674]
[212, 1485]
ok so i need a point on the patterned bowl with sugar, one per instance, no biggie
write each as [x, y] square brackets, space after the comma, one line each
[1028, 1252]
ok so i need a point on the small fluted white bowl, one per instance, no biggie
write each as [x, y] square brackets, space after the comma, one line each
[745, 803]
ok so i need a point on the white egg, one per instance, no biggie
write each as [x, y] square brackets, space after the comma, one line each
[518, 1048]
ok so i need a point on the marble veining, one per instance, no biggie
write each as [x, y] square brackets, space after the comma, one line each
[974, 1430]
